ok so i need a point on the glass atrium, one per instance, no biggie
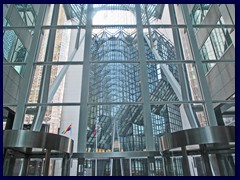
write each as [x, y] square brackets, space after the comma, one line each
[119, 89]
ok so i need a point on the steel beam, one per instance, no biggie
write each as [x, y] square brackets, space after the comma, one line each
[192, 118]
[144, 83]
[47, 162]
[159, 11]
[122, 26]
[14, 19]
[59, 78]
[171, 79]
[199, 67]
[28, 74]
[46, 74]
[83, 116]
[63, 71]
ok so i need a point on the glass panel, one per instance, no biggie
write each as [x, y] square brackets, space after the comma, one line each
[139, 167]
[35, 86]
[161, 46]
[223, 163]
[219, 41]
[114, 82]
[169, 118]
[159, 166]
[15, 49]
[115, 128]
[161, 40]
[9, 41]
[158, 14]
[73, 167]
[17, 167]
[29, 116]
[225, 113]
[62, 17]
[207, 52]
[61, 45]
[48, 15]
[77, 13]
[35, 167]
[199, 12]
[114, 14]
[61, 120]
[216, 44]
[55, 167]
[173, 163]
[60, 88]
[164, 82]
[196, 165]
[109, 45]
[43, 45]
[62, 48]
[27, 13]
[97, 167]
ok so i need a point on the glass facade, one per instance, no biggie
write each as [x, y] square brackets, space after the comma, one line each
[199, 12]
[118, 79]
[216, 44]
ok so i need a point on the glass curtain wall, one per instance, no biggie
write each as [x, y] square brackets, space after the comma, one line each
[121, 76]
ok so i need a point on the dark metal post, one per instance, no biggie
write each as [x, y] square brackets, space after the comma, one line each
[47, 162]
[66, 165]
[185, 163]
[206, 161]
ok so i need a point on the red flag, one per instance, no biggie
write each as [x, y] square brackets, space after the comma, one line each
[68, 129]
[94, 131]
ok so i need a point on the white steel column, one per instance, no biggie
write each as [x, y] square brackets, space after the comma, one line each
[46, 74]
[199, 67]
[28, 74]
[83, 116]
[182, 79]
[144, 83]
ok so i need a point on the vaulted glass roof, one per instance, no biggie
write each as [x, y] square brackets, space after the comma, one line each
[78, 11]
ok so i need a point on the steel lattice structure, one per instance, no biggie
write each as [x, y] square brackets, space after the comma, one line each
[119, 82]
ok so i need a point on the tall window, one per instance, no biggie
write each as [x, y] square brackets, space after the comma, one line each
[216, 44]
[13, 49]
[27, 13]
[221, 39]
[199, 12]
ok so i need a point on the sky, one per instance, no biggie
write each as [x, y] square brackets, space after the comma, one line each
[118, 17]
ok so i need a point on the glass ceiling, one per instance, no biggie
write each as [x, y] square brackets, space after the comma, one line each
[78, 11]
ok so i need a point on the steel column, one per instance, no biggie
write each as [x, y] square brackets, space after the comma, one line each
[46, 74]
[204, 154]
[66, 165]
[166, 163]
[24, 169]
[83, 116]
[63, 71]
[47, 162]
[185, 163]
[171, 79]
[25, 84]
[144, 83]
[199, 67]
[80, 168]
[182, 78]
[151, 166]
[8, 163]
